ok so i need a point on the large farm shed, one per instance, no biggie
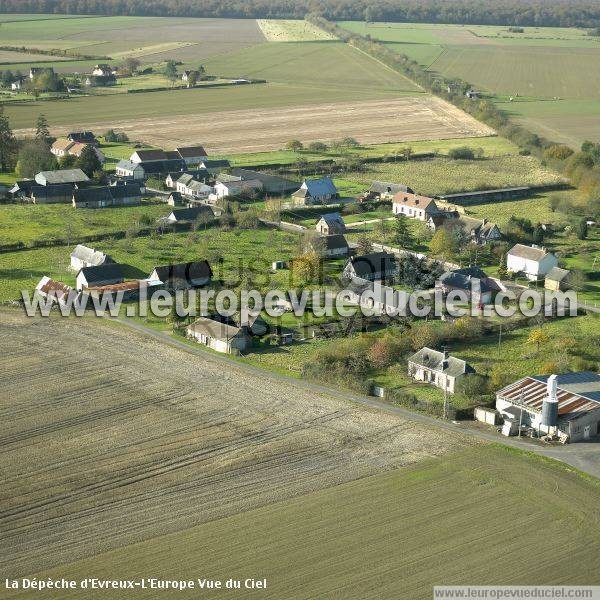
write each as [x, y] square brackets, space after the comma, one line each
[577, 396]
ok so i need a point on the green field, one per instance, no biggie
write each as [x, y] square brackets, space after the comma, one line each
[183, 39]
[481, 515]
[444, 176]
[541, 65]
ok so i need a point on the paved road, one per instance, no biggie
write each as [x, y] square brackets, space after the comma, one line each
[582, 456]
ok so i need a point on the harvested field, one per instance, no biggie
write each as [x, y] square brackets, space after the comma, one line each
[378, 121]
[104, 446]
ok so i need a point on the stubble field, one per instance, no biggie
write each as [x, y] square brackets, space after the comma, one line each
[105, 447]
[254, 130]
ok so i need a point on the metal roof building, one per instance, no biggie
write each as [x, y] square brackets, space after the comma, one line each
[578, 396]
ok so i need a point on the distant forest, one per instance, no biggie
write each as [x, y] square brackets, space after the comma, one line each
[561, 13]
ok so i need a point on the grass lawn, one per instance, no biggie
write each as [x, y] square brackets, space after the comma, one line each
[444, 176]
[422, 523]
[29, 222]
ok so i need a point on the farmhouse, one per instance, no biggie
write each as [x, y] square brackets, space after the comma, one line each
[569, 403]
[124, 194]
[82, 256]
[316, 191]
[188, 185]
[103, 70]
[557, 279]
[474, 231]
[61, 147]
[97, 276]
[59, 292]
[126, 168]
[236, 187]
[183, 275]
[331, 223]
[438, 368]
[83, 137]
[100, 80]
[219, 336]
[214, 166]
[479, 231]
[192, 155]
[370, 267]
[254, 323]
[533, 261]
[383, 190]
[51, 194]
[72, 176]
[182, 215]
[414, 206]
[18, 83]
[199, 174]
[271, 184]
[478, 287]
[330, 246]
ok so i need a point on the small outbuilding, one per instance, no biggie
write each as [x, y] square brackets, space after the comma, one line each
[183, 275]
[557, 279]
[83, 256]
[331, 223]
[100, 275]
[375, 266]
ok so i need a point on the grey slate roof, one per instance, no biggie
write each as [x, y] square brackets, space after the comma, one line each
[528, 252]
[92, 194]
[375, 262]
[557, 274]
[190, 214]
[464, 278]
[214, 329]
[111, 272]
[330, 242]
[271, 183]
[433, 359]
[213, 164]
[384, 187]
[61, 176]
[51, 191]
[334, 217]
[128, 165]
[187, 272]
[317, 187]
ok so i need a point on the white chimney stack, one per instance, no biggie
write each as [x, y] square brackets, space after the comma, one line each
[551, 389]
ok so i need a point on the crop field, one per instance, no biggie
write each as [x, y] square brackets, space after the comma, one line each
[553, 71]
[444, 176]
[195, 445]
[254, 130]
[444, 514]
[186, 40]
[285, 30]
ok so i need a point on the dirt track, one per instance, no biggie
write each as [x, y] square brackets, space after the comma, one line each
[377, 121]
[109, 437]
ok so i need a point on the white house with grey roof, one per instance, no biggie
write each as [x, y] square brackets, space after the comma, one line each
[83, 256]
[533, 261]
[438, 368]
[127, 168]
[219, 336]
[316, 191]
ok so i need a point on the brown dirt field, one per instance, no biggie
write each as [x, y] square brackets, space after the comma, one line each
[254, 130]
[110, 437]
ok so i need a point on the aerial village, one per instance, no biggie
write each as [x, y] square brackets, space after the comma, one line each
[200, 192]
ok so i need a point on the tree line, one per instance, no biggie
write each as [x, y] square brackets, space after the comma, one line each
[554, 13]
